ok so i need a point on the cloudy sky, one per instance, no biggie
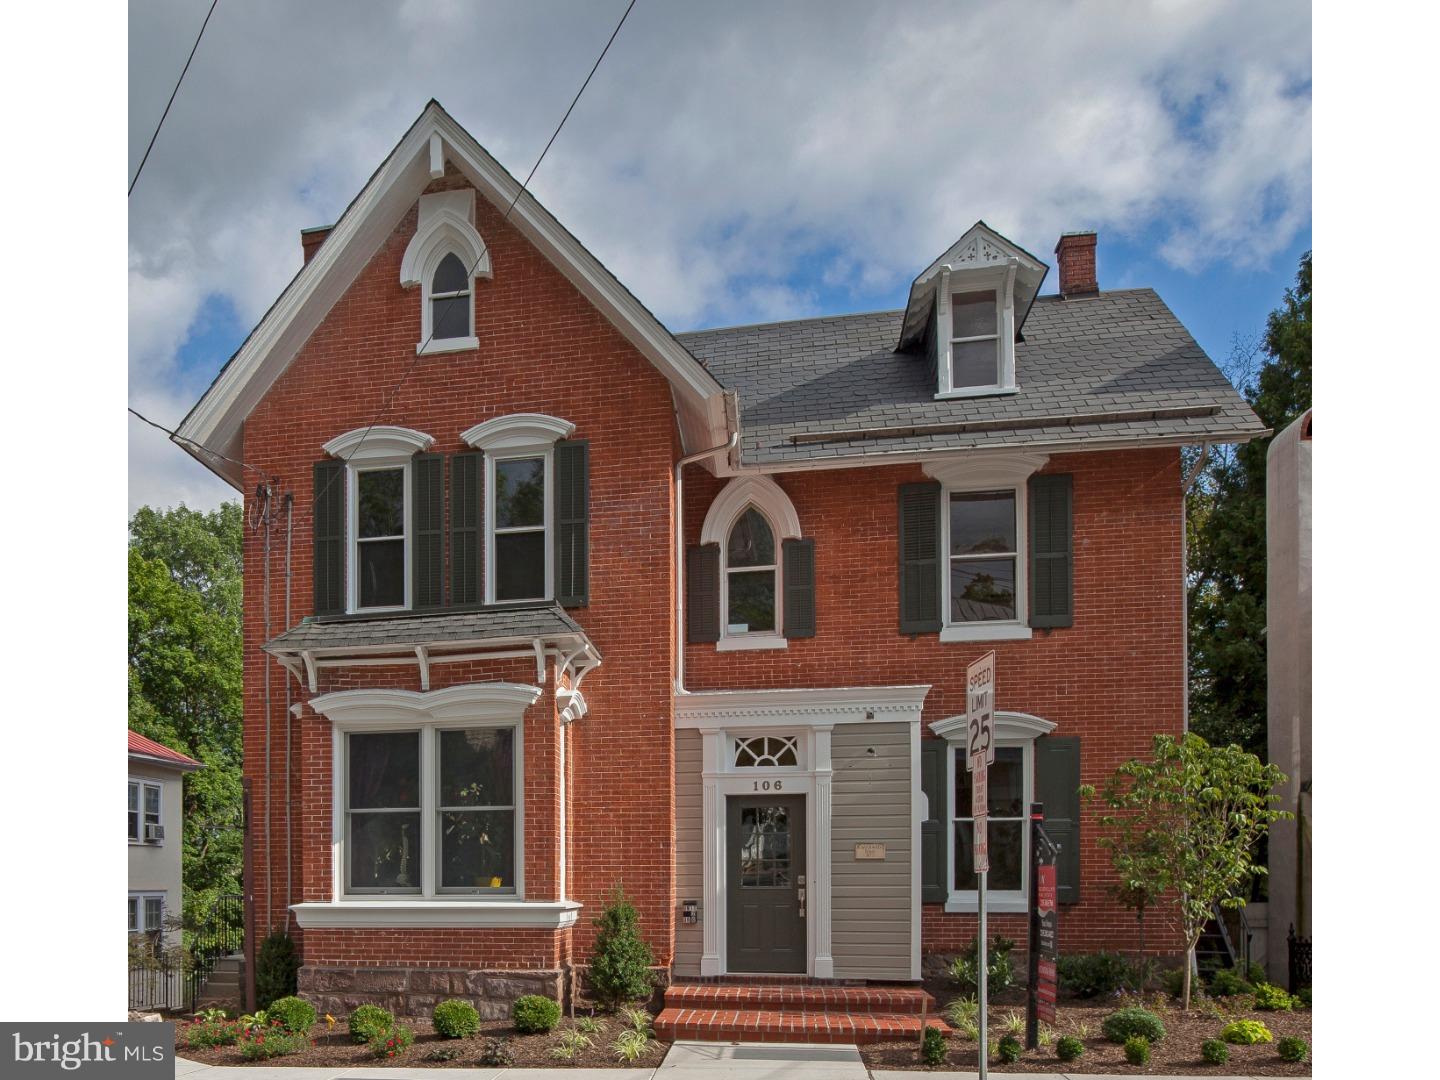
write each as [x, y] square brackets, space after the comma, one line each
[732, 162]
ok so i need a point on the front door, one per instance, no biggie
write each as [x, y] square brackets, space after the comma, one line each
[765, 875]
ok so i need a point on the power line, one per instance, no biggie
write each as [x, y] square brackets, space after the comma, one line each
[191, 442]
[166, 113]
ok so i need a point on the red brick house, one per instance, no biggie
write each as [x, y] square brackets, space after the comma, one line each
[587, 603]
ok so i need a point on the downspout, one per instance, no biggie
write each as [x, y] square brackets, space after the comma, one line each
[289, 716]
[726, 446]
[1185, 487]
[264, 494]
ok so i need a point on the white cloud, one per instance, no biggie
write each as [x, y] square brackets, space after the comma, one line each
[726, 159]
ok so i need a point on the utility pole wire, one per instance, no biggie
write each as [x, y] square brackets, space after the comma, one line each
[166, 113]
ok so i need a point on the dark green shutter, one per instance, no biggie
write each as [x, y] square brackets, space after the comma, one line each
[920, 563]
[427, 513]
[1057, 789]
[467, 539]
[934, 851]
[329, 537]
[1052, 554]
[798, 566]
[702, 593]
[572, 522]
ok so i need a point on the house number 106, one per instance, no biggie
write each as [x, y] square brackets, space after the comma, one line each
[769, 785]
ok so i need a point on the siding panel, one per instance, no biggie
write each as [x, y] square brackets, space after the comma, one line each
[689, 850]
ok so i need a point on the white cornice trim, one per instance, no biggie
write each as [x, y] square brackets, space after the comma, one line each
[972, 470]
[437, 914]
[1008, 725]
[518, 431]
[762, 708]
[446, 224]
[471, 701]
[759, 490]
[378, 443]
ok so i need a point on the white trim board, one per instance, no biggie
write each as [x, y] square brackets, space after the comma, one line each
[779, 708]
[437, 914]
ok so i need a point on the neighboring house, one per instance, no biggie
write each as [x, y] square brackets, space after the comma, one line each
[587, 603]
[154, 822]
[1287, 635]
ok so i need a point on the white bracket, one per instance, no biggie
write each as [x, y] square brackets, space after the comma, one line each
[437, 156]
[539, 660]
[422, 656]
[310, 677]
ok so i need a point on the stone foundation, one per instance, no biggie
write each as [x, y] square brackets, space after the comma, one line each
[416, 991]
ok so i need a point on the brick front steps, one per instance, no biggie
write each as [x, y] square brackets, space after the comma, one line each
[790, 1012]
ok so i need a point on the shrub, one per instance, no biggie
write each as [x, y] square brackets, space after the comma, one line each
[1246, 1032]
[1270, 998]
[392, 1042]
[368, 1021]
[213, 1031]
[1009, 1049]
[1214, 1052]
[631, 1044]
[1069, 1048]
[1134, 1020]
[269, 1042]
[1227, 983]
[1174, 981]
[1001, 976]
[275, 969]
[534, 1015]
[620, 964]
[296, 1014]
[933, 1046]
[1302, 997]
[1292, 1048]
[1137, 1050]
[1088, 975]
[497, 1053]
[455, 1019]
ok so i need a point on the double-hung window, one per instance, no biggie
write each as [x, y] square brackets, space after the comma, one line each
[143, 810]
[1008, 833]
[750, 576]
[450, 300]
[432, 810]
[520, 551]
[975, 319]
[380, 547]
[146, 913]
[984, 556]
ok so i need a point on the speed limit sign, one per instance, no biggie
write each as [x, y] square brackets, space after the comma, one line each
[980, 710]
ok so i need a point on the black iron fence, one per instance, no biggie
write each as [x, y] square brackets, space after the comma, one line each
[164, 982]
[1299, 949]
[169, 978]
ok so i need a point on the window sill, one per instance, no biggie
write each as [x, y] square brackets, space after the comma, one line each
[987, 632]
[751, 641]
[546, 915]
[968, 904]
[977, 391]
[459, 344]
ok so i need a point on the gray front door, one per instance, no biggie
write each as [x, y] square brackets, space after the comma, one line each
[765, 875]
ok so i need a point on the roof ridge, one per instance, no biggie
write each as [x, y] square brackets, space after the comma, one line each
[791, 322]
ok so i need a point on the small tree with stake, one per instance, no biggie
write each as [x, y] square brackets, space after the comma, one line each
[1188, 822]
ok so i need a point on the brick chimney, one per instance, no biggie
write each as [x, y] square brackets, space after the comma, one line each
[311, 239]
[1075, 257]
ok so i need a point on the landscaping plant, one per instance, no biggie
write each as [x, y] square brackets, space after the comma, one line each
[1194, 815]
[1001, 975]
[213, 1031]
[444, 1053]
[297, 1016]
[455, 1019]
[571, 1043]
[620, 964]
[497, 1053]
[1246, 1032]
[1087, 975]
[276, 968]
[392, 1042]
[589, 1025]
[1009, 1049]
[1292, 1048]
[1271, 998]
[631, 1044]
[367, 1021]
[1133, 1020]
[1302, 997]
[1069, 1048]
[1137, 1050]
[1227, 983]
[271, 1041]
[933, 1046]
[638, 1019]
[1214, 1052]
[534, 1015]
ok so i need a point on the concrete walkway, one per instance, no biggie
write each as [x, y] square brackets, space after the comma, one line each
[685, 1061]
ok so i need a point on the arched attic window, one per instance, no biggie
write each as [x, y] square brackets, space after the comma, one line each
[450, 307]
[444, 257]
[751, 570]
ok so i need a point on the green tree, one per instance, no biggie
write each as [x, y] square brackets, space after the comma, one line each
[185, 676]
[1190, 821]
[1226, 533]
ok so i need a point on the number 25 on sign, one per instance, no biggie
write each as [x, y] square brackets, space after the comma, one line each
[980, 708]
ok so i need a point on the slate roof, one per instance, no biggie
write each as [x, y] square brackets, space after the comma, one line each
[140, 746]
[479, 624]
[1112, 369]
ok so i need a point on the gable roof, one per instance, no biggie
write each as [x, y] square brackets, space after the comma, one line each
[1117, 369]
[217, 419]
[150, 750]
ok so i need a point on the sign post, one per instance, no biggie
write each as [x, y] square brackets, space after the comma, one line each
[980, 711]
[1044, 925]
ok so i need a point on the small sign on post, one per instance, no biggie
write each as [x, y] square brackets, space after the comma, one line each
[979, 756]
[980, 708]
[982, 844]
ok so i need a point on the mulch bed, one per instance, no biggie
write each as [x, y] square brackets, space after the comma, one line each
[532, 1051]
[1177, 1053]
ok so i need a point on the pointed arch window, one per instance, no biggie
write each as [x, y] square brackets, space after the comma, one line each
[752, 601]
[450, 299]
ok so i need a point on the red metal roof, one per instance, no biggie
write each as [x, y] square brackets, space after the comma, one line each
[139, 744]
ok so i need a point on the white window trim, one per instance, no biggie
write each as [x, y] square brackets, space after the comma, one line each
[492, 530]
[1011, 729]
[1000, 278]
[999, 472]
[141, 783]
[352, 531]
[140, 897]
[769, 499]
[446, 225]
[467, 705]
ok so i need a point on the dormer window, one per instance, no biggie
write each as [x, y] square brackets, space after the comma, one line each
[450, 300]
[975, 340]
